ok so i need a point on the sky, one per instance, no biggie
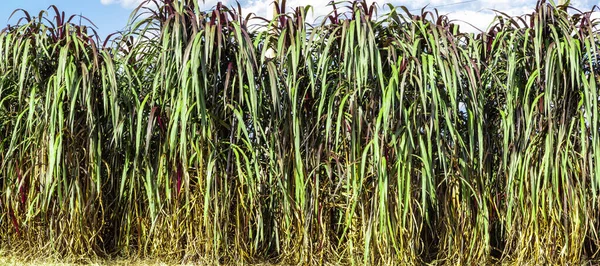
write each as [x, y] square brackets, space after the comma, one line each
[112, 15]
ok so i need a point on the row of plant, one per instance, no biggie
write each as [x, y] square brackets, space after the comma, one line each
[375, 137]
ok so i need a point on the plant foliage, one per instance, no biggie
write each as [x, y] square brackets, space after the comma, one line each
[372, 138]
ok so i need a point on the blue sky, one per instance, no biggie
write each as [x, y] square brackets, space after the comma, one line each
[108, 18]
[112, 15]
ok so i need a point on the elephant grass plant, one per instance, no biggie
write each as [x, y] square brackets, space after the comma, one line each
[376, 137]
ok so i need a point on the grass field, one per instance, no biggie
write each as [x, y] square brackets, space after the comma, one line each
[379, 138]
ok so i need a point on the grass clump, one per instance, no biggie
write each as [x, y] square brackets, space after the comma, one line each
[367, 139]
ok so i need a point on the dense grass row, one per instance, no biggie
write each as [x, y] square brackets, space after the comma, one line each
[376, 137]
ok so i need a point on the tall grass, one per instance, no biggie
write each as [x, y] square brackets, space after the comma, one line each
[376, 137]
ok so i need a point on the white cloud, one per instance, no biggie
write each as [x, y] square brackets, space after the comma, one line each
[320, 8]
[479, 13]
[472, 21]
